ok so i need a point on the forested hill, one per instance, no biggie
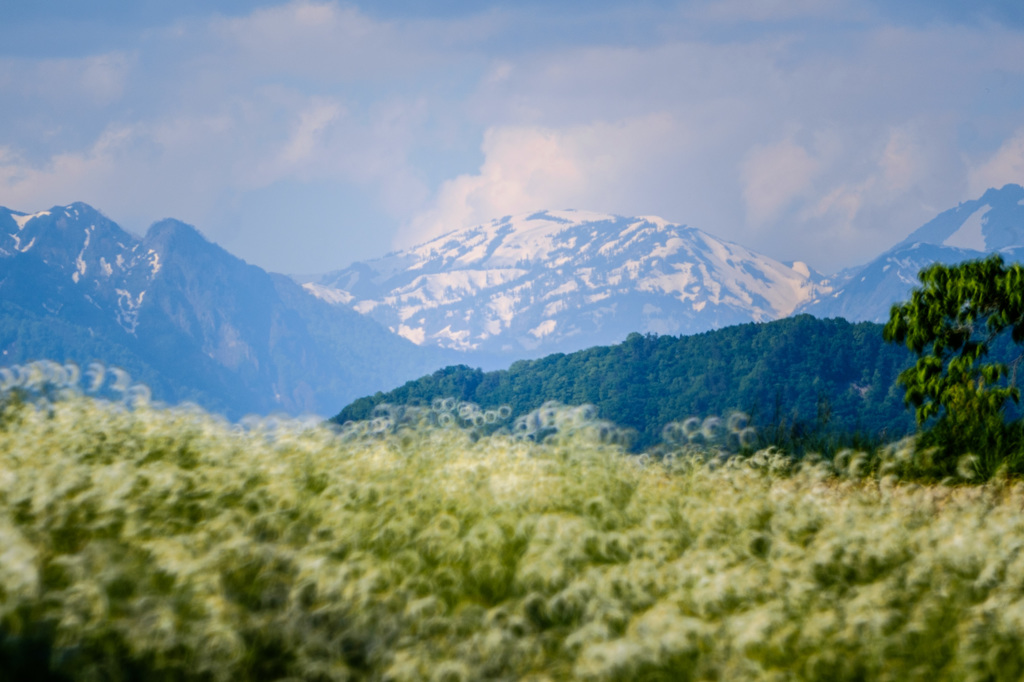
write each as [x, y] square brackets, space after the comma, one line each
[800, 374]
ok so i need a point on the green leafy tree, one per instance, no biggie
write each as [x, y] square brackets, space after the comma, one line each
[952, 322]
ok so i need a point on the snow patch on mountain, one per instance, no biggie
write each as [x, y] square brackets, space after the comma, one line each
[128, 309]
[544, 328]
[969, 235]
[561, 279]
[103, 261]
[434, 290]
[448, 337]
[328, 294]
[80, 265]
[973, 229]
[19, 247]
[22, 220]
[416, 335]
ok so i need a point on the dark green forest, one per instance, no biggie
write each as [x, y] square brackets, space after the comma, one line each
[802, 381]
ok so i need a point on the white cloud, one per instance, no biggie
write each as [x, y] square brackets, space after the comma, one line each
[524, 169]
[95, 80]
[1006, 165]
[822, 147]
[95, 172]
[306, 148]
[309, 132]
[773, 177]
[807, 129]
[840, 207]
[335, 42]
[767, 10]
[903, 161]
[304, 37]
[126, 173]
[595, 166]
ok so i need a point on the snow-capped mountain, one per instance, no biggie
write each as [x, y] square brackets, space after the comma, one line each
[194, 322]
[86, 251]
[974, 229]
[565, 280]
[185, 316]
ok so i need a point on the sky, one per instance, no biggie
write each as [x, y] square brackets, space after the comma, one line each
[305, 135]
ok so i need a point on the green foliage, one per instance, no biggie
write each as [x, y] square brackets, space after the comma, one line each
[143, 543]
[807, 384]
[952, 322]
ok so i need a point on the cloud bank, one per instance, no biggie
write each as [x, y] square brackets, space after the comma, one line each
[307, 134]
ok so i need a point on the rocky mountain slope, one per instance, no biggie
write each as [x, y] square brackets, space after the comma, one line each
[565, 280]
[194, 322]
[186, 317]
[992, 223]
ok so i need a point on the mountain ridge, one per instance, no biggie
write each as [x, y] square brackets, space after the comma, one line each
[222, 331]
[523, 286]
[543, 281]
[216, 329]
[993, 223]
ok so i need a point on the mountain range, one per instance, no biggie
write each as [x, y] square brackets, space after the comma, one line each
[186, 317]
[196, 323]
[560, 281]
[993, 223]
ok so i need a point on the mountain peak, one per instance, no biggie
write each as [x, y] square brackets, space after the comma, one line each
[993, 222]
[76, 237]
[80, 206]
[559, 280]
[1011, 193]
[169, 228]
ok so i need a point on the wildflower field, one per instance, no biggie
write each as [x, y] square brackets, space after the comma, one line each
[147, 543]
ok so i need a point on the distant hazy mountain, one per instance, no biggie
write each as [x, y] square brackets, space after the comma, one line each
[565, 280]
[195, 322]
[974, 229]
[185, 316]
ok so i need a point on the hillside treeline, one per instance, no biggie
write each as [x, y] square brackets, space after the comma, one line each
[801, 380]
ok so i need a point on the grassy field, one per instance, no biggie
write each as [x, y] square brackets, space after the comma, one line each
[165, 544]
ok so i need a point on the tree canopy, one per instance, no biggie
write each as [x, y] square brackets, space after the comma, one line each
[953, 321]
[799, 379]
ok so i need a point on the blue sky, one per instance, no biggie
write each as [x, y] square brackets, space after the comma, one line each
[304, 135]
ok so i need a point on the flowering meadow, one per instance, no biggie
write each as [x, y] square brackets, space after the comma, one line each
[146, 542]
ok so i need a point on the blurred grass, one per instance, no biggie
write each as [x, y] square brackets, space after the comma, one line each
[139, 542]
